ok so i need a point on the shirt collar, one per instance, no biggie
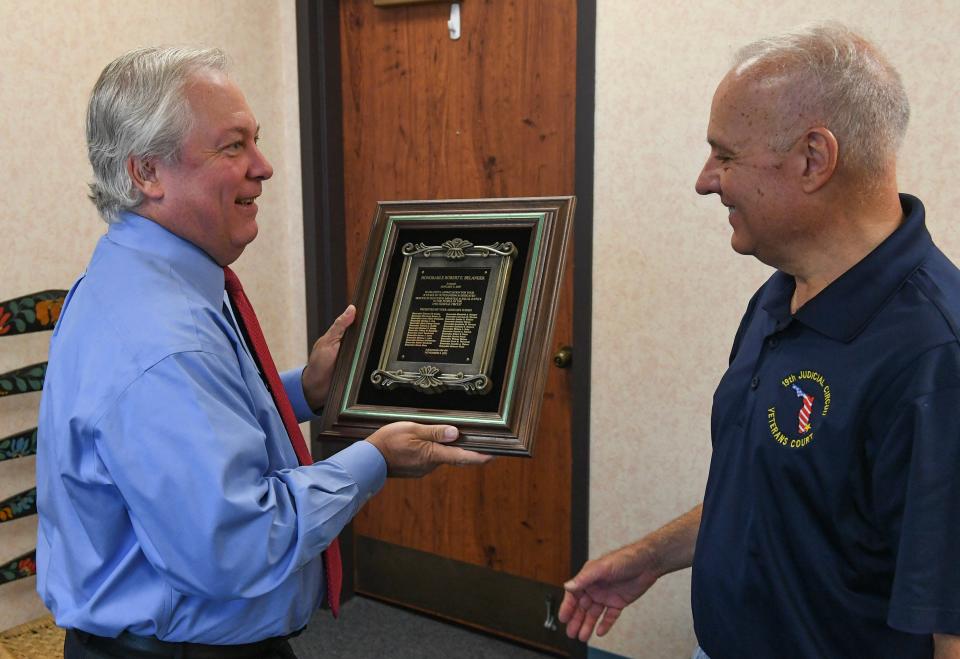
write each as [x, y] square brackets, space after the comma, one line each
[189, 261]
[845, 307]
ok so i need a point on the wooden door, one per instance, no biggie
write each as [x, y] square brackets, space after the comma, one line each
[489, 115]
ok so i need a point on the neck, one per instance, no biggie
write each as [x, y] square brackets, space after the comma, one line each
[851, 228]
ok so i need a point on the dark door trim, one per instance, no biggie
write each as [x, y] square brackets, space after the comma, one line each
[582, 283]
[321, 162]
[321, 149]
[321, 130]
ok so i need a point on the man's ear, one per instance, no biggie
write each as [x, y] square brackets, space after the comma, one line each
[143, 173]
[820, 150]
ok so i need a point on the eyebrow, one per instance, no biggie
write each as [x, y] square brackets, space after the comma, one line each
[242, 130]
[719, 147]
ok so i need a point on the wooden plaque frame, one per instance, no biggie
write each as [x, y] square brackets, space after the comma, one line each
[503, 419]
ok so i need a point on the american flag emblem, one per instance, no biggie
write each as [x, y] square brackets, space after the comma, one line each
[806, 409]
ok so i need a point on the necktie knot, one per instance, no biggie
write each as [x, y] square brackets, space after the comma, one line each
[231, 282]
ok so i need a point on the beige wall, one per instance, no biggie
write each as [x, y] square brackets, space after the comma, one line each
[668, 290]
[50, 55]
[662, 332]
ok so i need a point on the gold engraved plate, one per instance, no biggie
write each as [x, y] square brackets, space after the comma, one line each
[443, 327]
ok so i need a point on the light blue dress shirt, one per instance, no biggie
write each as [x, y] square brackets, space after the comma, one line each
[170, 499]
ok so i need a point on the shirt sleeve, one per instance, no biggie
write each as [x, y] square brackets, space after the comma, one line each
[187, 454]
[916, 492]
[298, 399]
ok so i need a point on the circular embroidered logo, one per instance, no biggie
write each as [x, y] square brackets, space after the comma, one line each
[803, 401]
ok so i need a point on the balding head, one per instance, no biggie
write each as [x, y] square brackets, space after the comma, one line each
[827, 75]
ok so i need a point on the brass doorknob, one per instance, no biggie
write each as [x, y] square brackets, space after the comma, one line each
[564, 357]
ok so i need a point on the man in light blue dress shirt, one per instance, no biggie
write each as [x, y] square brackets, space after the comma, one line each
[174, 517]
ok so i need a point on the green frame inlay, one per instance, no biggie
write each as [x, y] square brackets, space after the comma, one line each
[349, 396]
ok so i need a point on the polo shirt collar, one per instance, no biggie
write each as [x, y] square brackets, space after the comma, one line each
[845, 307]
[192, 263]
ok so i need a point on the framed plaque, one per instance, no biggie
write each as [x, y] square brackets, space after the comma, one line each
[455, 309]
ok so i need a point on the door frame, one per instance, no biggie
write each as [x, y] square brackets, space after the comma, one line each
[321, 145]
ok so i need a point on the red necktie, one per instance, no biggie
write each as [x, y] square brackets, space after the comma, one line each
[256, 342]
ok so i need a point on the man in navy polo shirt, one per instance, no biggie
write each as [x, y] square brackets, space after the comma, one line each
[830, 526]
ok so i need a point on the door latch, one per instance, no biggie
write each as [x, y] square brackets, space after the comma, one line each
[564, 357]
[551, 621]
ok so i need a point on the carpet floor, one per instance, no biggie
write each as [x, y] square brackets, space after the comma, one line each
[370, 629]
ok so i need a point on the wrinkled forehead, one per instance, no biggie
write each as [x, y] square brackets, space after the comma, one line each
[758, 101]
[214, 97]
[751, 91]
[204, 86]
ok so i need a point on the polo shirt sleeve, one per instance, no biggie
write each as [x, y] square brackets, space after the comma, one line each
[190, 460]
[744, 324]
[916, 491]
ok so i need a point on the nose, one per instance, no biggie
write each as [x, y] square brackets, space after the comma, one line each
[260, 167]
[709, 180]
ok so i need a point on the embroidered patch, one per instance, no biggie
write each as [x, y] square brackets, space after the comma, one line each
[803, 401]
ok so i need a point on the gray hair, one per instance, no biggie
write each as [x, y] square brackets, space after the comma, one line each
[853, 89]
[138, 108]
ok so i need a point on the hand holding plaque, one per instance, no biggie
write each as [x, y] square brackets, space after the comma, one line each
[455, 303]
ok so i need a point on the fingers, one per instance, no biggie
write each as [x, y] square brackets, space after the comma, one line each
[582, 622]
[585, 602]
[567, 607]
[576, 620]
[573, 609]
[589, 622]
[582, 617]
[454, 455]
[609, 617]
[581, 612]
[451, 455]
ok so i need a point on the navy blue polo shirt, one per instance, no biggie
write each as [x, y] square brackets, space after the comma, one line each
[831, 519]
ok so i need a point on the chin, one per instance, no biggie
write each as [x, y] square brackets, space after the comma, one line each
[740, 246]
[247, 235]
[231, 249]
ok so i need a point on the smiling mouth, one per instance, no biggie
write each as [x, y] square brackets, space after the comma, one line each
[245, 201]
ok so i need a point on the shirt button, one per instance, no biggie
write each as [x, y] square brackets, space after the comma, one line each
[773, 342]
[755, 382]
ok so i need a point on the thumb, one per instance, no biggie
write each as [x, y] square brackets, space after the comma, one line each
[591, 573]
[342, 322]
[442, 434]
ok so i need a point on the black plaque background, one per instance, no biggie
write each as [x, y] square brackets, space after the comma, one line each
[369, 394]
